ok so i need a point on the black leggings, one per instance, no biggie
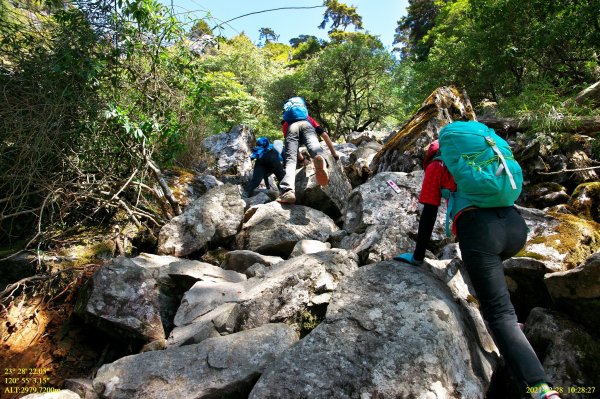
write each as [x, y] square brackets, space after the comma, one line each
[487, 237]
[266, 165]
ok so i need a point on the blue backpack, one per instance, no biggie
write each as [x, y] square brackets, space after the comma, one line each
[295, 110]
[483, 166]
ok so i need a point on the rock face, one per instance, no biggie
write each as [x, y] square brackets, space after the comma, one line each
[287, 292]
[214, 217]
[561, 241]
[123, 299]
[274, 229]
[232, 151]
[577, 291]
[241, 260]
[585, 201]
[381, 222]
[215, 368]
[359, 138]
[405, 151]
[330, 199]
[391, 331]
[290, 289]
[358, 165]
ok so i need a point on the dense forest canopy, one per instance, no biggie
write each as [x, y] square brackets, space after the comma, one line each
[99, 96]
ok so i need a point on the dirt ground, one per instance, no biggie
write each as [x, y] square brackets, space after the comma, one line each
[42, 342]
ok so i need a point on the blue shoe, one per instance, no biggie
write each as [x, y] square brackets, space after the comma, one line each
[407, 257]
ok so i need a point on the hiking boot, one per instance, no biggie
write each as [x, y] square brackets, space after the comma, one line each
[321, 173]
[289, 197]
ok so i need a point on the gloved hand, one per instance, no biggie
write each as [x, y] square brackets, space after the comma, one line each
[407, 257]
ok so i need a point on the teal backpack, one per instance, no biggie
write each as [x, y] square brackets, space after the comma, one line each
[483, 166]
[294, 110]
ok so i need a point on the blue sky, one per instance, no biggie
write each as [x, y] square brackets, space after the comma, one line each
[379, 16]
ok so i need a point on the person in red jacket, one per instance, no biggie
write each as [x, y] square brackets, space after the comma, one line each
[486, 237]
[305, 131]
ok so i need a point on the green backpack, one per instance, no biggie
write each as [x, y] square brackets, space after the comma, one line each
[483, 166]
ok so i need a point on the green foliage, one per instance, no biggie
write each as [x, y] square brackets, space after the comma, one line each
[304, 50]
[414, 27]
[268, 35]
[494, 48]
[240, 74]
[349, 87]
[340, 15]
[199, 29]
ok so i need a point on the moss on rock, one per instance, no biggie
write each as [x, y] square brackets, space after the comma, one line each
[570, 242]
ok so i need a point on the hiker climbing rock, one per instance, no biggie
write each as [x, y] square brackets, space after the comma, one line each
[475, 170]
[299, 128]
[267, 162]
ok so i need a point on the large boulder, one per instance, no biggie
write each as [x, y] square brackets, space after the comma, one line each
[391, 331]
[287, 292]
[241, 260]
[381, 222]
[358, 166]
[188, 185]
[122, 299]
[214, 217]
[330, 199]
[232, 151]
[359, 138]
[290, 291]
[187, 272]
[274, 229]
[561, 241]
[217, 367]
[577, 291]
[585, 201]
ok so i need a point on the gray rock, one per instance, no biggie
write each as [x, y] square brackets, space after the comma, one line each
[241, 260]
[577, 291]
[219, 321]
[274, 229]
[188, 272]
[309, 247]
[390, 331]
[232, 151]
[81, 387]
[381, 222]
[216, 367]
[330, 199]
[358, 138]
[206, 296]
[122, 299]
[378, 243]
[214, 217]
[357, 169]
[289, 289]
[561, 241]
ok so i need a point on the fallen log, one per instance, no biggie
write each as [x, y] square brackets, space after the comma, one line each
[404, 151]
[586, 125]
[591, 94]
